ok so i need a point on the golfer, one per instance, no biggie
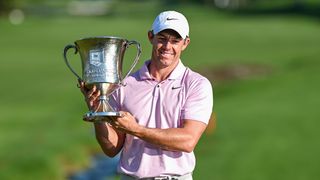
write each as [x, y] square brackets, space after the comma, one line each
[165, 107]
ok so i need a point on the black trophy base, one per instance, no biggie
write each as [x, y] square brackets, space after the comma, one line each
[99, 116]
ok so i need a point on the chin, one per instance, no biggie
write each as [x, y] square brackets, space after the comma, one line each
[165, 60]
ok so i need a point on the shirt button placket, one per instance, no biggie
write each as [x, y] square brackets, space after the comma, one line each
[156, 90]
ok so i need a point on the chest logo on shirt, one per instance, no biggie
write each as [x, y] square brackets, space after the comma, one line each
[176, 87]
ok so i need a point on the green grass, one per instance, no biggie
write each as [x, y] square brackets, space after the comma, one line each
[267, 125]
[265, 130]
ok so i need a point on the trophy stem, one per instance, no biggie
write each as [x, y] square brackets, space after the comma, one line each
[103, 105]
[103, 110]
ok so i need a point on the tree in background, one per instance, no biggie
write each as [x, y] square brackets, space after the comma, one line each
[242, 4]
[5, 5]
[231, 4]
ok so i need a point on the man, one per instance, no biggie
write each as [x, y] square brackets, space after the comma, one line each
[165, 107]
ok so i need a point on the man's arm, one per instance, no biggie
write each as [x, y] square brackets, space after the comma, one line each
[173, 139]
[109, 139]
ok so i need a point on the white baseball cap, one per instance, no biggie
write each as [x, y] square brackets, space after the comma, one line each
[171, 20]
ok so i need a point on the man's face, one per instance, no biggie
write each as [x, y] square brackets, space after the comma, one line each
[167, 47]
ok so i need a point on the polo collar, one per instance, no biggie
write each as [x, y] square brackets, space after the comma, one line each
[177, 73]
[144, 71]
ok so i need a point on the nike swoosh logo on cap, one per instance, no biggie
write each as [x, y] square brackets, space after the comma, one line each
[169, 19]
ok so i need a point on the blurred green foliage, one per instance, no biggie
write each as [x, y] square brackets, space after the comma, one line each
[8, 4]
[266, 123]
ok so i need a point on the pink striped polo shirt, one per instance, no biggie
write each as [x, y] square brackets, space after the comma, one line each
[183, 95]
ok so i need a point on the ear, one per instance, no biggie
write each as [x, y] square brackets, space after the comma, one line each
[150, 36]
[185, 43]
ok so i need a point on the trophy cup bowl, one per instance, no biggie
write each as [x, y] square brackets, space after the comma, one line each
[102, 60]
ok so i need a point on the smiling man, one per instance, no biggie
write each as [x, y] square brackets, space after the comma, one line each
[165, 107]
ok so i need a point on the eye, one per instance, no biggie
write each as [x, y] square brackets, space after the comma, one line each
[175, 41]
[161, 39]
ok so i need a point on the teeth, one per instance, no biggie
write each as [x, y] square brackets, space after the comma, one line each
[166, 53]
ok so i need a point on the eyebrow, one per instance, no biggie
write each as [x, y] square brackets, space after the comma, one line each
[175, 37]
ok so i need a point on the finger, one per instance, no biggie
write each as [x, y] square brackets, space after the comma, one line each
[82, 87]
[92, 91]
[112, 123]
[90, 98]
[122, 114]
[94, 96]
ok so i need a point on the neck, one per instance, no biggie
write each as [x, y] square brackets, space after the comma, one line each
[161, 73]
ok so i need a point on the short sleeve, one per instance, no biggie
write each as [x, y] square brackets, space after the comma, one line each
[199, 101]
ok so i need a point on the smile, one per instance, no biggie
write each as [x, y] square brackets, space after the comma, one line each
[165, 53]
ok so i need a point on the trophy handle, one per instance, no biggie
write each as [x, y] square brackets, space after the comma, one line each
[136, 58]
[66, 60]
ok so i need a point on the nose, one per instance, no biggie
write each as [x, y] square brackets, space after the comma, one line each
[167, 44]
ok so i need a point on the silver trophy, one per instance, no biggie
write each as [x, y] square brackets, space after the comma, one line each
[102, 60]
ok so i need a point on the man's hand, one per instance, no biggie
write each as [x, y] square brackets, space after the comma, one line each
[90, 95]
[125, 123]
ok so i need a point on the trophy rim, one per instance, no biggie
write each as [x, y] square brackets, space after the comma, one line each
[102, 37]
[99, 116]
[103, 114]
